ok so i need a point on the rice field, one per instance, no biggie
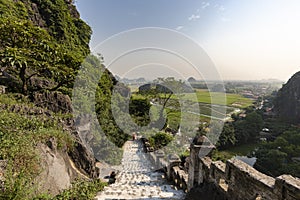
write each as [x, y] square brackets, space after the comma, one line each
[218, 98]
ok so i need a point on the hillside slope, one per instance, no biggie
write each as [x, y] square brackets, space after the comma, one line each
[42, 45]
[287, 102]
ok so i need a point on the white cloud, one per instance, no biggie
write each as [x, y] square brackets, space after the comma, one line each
[205, 5]
[194, 17]
[179, 28]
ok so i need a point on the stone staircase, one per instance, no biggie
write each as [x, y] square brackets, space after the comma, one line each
[138, 180]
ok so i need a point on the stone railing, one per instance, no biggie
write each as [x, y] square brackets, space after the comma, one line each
[179, 177]
[171, 168]
[236, 180]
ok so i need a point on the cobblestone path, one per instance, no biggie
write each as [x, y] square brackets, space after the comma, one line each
[138, 180]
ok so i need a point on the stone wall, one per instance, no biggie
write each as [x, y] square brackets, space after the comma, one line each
[233, 180]
[236, 180]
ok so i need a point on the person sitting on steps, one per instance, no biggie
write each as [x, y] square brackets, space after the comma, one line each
[112, 177]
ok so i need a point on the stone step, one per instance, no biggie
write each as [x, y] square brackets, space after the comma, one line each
[136, 180]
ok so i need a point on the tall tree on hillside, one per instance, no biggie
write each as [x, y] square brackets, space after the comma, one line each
[164, 90]
[43, 51]
[27, 51]
[227, 137]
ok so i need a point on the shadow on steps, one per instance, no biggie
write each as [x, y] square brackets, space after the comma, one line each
[205, 192]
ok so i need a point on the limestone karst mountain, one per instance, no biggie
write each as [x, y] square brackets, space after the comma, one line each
[287, 103]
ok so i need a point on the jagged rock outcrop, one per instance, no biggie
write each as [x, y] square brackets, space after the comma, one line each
[287, 102]
[81, 154]
[54, 101]
[84, 159]
[58, 170]
[62, 167]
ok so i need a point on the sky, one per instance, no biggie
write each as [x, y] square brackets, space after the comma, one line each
[245, 39]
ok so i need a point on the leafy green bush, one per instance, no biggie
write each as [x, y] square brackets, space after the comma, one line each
[160, 140]
[82, 190]
[183, 155]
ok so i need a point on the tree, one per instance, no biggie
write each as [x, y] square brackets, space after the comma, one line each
[24, 46]
[160, 140]
[27, 51]
[139, 109]
[163, 91]
[277, 157]
[270, 161]
[44, 52]
[248, 129]
[94, 93]
[227, 137]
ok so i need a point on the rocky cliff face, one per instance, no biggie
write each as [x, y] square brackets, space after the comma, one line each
[60, 23]
[287, 103]
[60, 165]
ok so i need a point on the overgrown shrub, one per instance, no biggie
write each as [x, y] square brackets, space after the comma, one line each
[160, 140]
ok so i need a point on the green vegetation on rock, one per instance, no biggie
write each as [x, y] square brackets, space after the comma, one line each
[42, 45]
[94, 93]
[20, 133]
[41, 40]
[80, 189]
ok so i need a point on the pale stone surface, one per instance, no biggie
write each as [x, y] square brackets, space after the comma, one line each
[137, 180]
[57, 172]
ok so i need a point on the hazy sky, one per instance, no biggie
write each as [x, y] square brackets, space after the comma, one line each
[246, 39]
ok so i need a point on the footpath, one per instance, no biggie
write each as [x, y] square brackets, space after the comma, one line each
[138, 180]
